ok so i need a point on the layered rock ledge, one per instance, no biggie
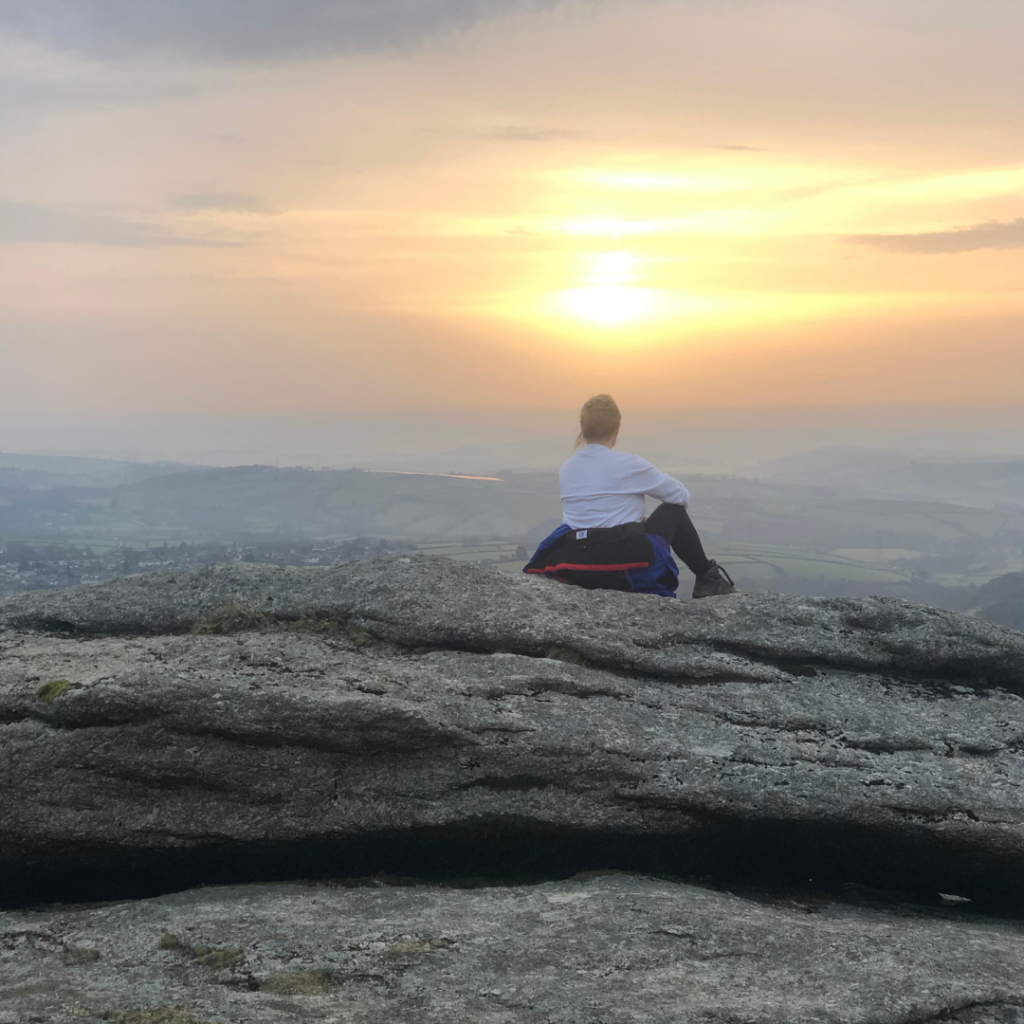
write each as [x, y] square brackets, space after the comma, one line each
[407, 714]
[420, 600]
[613, 949]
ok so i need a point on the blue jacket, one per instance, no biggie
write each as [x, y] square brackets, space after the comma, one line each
[623, 557]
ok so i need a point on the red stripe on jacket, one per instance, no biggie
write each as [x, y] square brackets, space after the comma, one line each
[621, 567]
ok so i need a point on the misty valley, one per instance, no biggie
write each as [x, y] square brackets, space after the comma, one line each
[871, 526]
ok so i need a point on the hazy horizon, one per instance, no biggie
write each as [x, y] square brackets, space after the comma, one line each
[704, 441]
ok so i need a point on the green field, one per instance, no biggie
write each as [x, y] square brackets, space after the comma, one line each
[484, 552]
[764, 563]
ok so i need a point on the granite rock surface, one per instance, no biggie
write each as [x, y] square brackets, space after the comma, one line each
[471, 731]
[614, 949]
[424, 601]
[404, 705]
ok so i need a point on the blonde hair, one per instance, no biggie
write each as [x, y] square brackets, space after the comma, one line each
[599, 419]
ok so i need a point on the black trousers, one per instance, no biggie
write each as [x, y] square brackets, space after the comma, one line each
[673, 523]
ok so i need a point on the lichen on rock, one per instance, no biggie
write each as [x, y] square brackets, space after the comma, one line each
[298, 983]
[50, 691]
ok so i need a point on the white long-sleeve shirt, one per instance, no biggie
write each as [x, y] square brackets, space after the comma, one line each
[602, 487]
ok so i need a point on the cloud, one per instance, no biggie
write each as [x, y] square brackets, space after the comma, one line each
[31, 222]
[517, 134]
[34, 78]
[242, 29]
[992, 234]
[230, 202]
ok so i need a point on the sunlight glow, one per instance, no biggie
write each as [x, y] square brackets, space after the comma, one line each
[645, 182]
[613, 227]
[613, 268]
[725, 256]
[762, 174]
[722, 221]
[608, 299]
[609, 305]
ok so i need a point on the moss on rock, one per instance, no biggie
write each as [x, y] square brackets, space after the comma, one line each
[205, 956]
[50, 691]
[233, 618]
[298, 983]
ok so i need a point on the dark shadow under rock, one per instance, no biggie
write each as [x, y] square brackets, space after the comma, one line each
[509, 851]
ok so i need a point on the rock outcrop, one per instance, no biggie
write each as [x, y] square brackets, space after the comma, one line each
[417, 601]
[472, 732]
[407, 714]
[613, 949]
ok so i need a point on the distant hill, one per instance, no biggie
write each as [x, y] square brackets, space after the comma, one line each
[344, 503]
[263, 500]
[972, 483]
[773, 512]
[981, 482]
[1002, 600]
[39, 472]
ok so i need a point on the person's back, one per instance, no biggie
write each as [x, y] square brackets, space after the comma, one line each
[601, 487]
[604, 541]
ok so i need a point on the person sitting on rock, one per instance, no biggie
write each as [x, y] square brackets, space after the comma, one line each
[605, 541]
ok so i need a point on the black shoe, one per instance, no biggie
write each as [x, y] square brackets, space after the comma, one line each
[714, 580]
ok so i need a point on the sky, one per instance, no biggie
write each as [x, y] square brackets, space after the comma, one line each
[215, 210]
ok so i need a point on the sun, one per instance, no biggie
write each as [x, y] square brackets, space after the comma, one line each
[609, 304]
[608, 298]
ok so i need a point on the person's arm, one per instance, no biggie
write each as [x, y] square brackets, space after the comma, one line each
[647, 479]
